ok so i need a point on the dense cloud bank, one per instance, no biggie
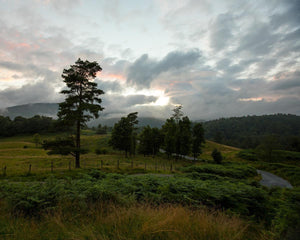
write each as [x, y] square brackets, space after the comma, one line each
[231, 60]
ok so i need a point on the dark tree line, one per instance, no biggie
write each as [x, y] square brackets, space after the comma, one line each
[181, 137]
[150, 141]
[178, 136]
[21, 125]
[251, 131]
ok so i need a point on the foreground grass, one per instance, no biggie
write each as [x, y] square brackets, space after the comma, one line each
[141, 221]
[123, 203]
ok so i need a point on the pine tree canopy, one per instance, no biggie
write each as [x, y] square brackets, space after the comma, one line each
[82, 102]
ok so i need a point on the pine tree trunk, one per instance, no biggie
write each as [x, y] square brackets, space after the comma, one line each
[77, 153]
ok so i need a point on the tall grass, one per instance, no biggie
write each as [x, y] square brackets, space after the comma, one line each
[134, 222]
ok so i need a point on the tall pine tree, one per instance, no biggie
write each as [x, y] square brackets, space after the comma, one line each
[82, 102]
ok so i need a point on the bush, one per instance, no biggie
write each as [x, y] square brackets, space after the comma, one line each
[217, 156]
[101, 151]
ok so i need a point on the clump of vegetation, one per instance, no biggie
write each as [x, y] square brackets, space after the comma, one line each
[137, 221]
[217, 156]
[247, 155]
[92, 187]
[238, 171]
[124, 136]
[181, 137]
[101, 151]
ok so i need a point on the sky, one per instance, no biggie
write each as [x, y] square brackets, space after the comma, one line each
[216, 58]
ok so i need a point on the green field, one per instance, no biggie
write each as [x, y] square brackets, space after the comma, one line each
[141, 198]
[17, 153]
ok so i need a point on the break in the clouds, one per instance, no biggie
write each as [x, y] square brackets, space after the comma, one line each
[216, 58]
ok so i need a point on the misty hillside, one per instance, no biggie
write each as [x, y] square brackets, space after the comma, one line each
[143, 121]
[244, 132]
[30, 110]
[50, 110]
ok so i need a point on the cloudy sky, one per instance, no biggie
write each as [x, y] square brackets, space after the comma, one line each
[218, 58]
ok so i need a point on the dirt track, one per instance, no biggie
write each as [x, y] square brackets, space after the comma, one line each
[271, 180]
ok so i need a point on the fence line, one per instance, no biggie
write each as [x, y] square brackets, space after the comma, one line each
[150, 165]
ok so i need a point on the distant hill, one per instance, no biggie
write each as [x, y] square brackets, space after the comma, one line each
[143, 121]
[50, 110]
[30, 110]
[250, 131]
[242, 132]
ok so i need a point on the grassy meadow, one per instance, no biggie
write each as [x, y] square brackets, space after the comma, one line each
[141, 198]
[17, 153]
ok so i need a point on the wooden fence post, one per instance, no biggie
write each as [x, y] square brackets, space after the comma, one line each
[101, 164]
[145, 166]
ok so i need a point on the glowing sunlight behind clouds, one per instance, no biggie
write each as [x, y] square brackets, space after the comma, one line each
[216, 58]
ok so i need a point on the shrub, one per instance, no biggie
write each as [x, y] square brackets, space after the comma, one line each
[217, 156]
[101, 151]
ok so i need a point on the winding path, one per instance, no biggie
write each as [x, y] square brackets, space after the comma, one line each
[268, 179]
[271, 180]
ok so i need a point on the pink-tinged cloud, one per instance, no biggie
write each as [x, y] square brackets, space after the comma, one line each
[111, 77]
[259, 99]
[13, 46]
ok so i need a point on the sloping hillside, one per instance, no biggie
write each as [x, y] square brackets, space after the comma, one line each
[250, 131]
[30, 110]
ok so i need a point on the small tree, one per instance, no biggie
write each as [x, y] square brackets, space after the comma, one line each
[101, 129]
[158, 139]
[82, 102]
[184, 136]
[37, 139]
[150, 141]
[177, 133]
[62, 146]
[217, 156]
[145, 141]
[169, 130]
[197, 139]
[177, 113]
[123, 135]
